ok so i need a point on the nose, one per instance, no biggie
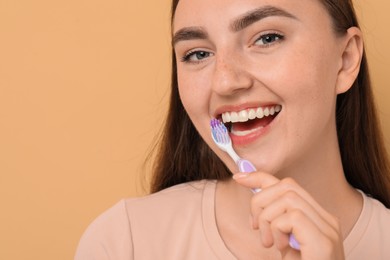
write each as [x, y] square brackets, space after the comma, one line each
[230, 76]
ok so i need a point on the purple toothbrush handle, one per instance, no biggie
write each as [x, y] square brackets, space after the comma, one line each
[247, 166]
[292, 241]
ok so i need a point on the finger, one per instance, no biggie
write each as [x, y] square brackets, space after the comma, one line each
[266, 234]
[292, 194]
[255, 179]
[313, 241]
[281, 239]
[284, 204]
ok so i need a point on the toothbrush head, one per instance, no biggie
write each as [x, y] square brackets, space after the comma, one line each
[220, 134]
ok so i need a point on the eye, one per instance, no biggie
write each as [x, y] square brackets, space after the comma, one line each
[196, 56]
[268, 39]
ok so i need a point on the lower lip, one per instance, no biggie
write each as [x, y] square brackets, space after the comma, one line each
[250, 138]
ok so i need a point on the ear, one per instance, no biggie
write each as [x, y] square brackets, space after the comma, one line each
[352, 54]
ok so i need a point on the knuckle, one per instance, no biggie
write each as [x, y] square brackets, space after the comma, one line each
[290, 196]
[288, 183]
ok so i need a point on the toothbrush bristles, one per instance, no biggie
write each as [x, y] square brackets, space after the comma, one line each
[214, 122]
[219, 131]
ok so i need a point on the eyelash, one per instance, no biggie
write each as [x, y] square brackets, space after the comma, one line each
[188, 55]
[275, 36]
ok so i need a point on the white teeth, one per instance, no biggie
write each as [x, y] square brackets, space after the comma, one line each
[250, 114]
[233, 117]
[243, 116]
[259, 113]
[226, 117]
[246, 132]
[266, 111]
[272, 111]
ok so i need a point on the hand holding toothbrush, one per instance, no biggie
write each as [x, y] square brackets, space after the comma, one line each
[282, 208]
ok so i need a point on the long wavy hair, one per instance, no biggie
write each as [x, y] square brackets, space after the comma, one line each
[183, 156]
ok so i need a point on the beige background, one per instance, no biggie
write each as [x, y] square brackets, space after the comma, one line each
[83, 89]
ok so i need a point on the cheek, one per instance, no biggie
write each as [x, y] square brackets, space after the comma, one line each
[313, 95]
[307, 84]
[308, 75]
[194, 95]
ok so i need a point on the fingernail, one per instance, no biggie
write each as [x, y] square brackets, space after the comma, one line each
[240, 175]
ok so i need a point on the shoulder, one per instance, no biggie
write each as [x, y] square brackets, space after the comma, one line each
[107, 237]
[162, 212]
[178, 195]
[371, 232]
[374, 212]
[112, 235]
[377, 234]
[379, 218]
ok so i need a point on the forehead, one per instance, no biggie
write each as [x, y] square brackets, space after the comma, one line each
[204, 13]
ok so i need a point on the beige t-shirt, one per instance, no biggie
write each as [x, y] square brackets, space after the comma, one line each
[179, 223]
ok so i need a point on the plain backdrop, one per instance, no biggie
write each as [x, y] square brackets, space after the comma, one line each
[83, 91]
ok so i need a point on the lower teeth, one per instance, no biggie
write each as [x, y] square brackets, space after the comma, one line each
[246, 132]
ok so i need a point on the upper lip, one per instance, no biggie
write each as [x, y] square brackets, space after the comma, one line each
[236, 108]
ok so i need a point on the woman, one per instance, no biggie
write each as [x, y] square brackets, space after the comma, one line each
[318, 153]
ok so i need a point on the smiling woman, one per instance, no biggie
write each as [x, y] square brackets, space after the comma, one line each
[290, 81]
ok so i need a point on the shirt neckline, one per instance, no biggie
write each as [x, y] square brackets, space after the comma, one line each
[210, 224]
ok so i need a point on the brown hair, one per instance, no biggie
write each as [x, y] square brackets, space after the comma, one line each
[183, 156]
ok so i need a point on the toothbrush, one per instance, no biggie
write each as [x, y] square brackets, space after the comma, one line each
[221, 138]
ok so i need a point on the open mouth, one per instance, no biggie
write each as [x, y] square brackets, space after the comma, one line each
[247, 121]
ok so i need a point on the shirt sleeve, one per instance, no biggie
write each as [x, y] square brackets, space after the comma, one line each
[107, 237]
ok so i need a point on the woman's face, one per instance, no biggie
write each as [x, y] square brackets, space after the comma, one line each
[243, 60]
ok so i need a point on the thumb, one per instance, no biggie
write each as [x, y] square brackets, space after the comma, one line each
[253, 180]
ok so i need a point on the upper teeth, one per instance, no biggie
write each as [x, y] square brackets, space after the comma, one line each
[249, 114]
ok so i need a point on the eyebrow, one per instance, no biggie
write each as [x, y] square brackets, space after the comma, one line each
[245, 20]
[256, 15]
[189, 33]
